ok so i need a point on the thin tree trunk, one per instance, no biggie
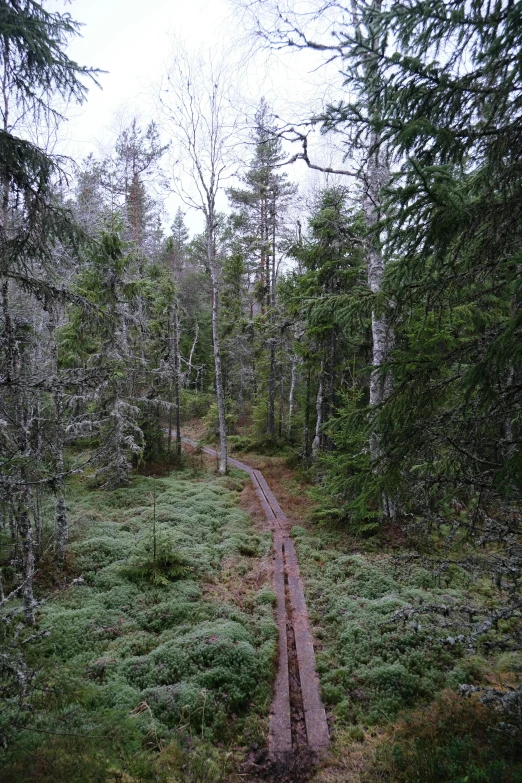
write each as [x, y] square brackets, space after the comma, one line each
[171, 403]
[37, 514]
[176, 380]
[291, 395]
[382, 332]
[271, 281]
[196, 336]
[62, 528]
[331, 386]
[271, 389]
[281, 409]
[316, 444]
[211, 254]
[308, 407]
[26, 536]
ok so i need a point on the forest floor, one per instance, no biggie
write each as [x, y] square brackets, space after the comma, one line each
[142, 678]
[392, 681]
[171, 681]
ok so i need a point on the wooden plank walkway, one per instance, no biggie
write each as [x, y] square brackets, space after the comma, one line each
[287, 577]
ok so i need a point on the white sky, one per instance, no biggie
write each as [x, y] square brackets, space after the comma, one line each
[131, 40]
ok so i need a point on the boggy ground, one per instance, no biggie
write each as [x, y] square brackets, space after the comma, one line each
[168, 683]
[392, 683]
[146, 678]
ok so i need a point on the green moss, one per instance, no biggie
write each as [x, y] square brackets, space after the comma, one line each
[138, 664]
[374, 665]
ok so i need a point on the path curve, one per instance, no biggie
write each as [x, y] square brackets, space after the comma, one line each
[288, 583]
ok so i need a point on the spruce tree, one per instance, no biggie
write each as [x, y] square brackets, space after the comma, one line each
[261, 206]
[34, 68]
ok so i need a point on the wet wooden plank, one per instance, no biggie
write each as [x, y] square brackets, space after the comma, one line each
[286, 570]
[280, 739]
[315, 715]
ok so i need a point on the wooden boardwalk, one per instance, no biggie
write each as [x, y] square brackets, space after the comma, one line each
[288, 588]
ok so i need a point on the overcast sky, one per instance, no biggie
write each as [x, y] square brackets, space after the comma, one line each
[132, 40]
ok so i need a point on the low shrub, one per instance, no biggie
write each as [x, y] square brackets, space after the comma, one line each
[454, 740]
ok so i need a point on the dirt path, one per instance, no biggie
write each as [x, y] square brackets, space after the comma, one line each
[298, 727]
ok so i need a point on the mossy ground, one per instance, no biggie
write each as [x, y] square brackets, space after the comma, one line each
[140, 682]
[386, 681]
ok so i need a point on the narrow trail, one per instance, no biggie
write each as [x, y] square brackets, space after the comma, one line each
[298, 725]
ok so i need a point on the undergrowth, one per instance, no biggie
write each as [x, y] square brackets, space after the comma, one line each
[145, 672]
[378, 663]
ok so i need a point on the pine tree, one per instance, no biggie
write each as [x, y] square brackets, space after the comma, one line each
[137, 154]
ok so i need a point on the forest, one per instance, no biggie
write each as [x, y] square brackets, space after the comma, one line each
[351, 351]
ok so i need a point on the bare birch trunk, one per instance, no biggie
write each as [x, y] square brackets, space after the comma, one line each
[220, 396]
[176, 380]
[271, 283]
[382, 331]
[316, 444]
[193, 348]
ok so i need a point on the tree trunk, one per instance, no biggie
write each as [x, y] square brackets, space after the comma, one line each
[176, 380]
[308, 407]
[62, 529]
[291, 395]
[377, 175]
[331, 387]
[26, 536]
[316, 444]
[171, 403]
[271, 388]
[211, 255]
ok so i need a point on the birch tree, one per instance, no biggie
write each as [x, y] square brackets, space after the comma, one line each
[196, 109]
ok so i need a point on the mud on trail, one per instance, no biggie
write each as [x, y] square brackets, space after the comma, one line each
[298, 736]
